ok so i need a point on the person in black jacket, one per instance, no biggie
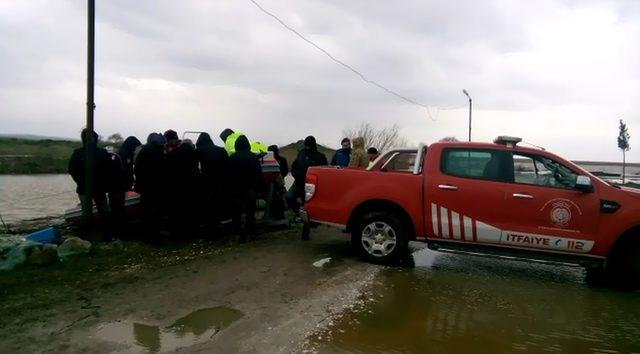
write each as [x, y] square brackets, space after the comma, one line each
[214, 169]
[342, 155]
[245, 182]
[181, 176]
[149, 182]
[122, 178]
[101, 173]
[307, 157]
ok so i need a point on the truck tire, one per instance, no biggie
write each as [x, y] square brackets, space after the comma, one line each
[379, 237]
[624, 265]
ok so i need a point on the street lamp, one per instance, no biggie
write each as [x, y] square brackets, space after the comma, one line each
[470, 105]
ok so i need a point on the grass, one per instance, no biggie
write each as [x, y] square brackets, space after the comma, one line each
[23, 156]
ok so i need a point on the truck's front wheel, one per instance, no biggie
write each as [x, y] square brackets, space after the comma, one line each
[380, 238]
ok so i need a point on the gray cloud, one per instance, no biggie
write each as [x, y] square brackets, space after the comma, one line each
[209, 65]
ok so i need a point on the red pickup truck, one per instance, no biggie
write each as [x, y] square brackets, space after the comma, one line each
[496, 199]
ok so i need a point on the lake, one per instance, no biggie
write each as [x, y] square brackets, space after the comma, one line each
[24, 197]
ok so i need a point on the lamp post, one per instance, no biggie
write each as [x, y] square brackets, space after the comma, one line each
[470, 106]
[91, 142]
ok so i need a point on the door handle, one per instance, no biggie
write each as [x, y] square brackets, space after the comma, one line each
[448, 187]
[522, 196]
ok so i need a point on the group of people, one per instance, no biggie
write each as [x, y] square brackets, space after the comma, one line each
[356, 157]
[188, 187]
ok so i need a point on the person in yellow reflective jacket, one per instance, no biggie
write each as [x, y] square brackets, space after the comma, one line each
[258, 148]
[229, 137]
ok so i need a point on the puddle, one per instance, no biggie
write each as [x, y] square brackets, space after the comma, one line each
[460, 304]
[196, 327]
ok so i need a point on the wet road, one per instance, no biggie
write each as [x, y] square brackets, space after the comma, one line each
[463, 304]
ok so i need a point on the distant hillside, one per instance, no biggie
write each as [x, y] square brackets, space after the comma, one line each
[32, 137]
[28, 156]
[290, 152]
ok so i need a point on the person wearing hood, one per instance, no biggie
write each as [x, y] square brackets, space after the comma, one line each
[181, 175]
[342, 155]
[245, 182]
[149, 182]
[359, 157]
[214, 169]
[307, 157]
[122, 178]
[102, 174]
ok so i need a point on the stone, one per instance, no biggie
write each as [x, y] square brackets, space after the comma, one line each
[12, 253]
[40, 255]
[72, 246]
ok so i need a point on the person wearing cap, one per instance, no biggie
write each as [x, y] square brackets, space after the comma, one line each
[342, 155]
[307, 157]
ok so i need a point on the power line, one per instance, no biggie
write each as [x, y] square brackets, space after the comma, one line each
[340, 62]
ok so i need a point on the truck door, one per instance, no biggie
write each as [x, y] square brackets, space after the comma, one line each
[543, 209]
[464, 194]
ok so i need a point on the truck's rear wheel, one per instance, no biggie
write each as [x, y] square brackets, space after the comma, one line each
[624, 264]
[380, 238]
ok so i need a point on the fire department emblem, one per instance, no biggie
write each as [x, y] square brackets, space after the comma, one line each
[560, 214]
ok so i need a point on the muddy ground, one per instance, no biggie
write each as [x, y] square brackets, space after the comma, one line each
[265, 295]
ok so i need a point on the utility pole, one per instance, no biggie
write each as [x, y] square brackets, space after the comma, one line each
[470, 107]
[90, 148]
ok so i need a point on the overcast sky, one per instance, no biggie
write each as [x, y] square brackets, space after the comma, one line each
[558, 73]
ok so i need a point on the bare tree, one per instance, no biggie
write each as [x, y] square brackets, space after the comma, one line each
[115, 138]
[382, 139]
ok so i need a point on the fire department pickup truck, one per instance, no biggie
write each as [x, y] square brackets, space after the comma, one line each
[496, 199]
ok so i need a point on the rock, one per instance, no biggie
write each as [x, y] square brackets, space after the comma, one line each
[73, 246]
[115, 245]
[41, 254]
[12, 253]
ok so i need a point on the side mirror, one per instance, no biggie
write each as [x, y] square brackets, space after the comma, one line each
[583, 184]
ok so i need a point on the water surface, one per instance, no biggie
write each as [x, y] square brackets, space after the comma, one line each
[463, 304]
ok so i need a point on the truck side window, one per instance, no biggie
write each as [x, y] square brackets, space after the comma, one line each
[401, 162]
[473, 163]
[541, 171]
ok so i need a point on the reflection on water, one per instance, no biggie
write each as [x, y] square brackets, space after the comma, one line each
[465, 305]
[24, 197]
[197, 327]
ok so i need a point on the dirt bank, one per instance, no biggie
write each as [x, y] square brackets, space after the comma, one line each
[276, 295]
